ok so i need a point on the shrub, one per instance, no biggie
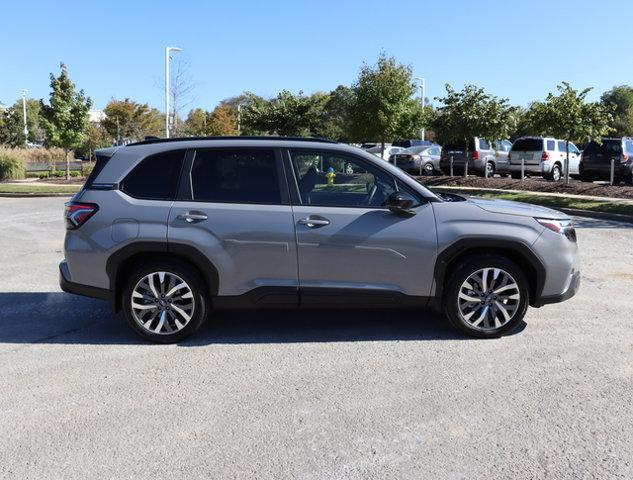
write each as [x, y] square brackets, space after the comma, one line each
[59, 173]
[86, 169]
[75, 173]
[43, 175]
[11, 167]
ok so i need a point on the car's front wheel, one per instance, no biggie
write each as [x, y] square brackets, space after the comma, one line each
[165, 301]
[486, 296]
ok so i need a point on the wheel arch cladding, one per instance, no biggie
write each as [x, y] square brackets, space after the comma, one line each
[121, 262]
[451, 257]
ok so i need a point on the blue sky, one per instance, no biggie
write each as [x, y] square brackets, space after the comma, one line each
[115, 49]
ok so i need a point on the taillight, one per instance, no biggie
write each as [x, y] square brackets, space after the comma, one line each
[78, 213]
[475, 155]
[544, 157]
[624, 158]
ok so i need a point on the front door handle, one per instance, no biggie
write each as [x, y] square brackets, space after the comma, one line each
[314, 221]
[193, 217]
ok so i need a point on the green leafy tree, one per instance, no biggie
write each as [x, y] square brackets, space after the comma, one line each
[97, 137]
[12, 123]
[196, 123]
[65, 119]
[336, 120]
[127, 120]
[384, 107]
[470, 113]
[286, 115]
[570, 117]
[621, 101]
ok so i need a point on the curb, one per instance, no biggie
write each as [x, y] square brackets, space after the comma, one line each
[35, 195]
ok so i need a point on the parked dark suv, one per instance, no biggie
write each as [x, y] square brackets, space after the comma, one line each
[595, 163]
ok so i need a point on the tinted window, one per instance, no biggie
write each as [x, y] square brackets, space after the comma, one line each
[629, 147]
[612, 147]
[551, 145]
[156, 177]
[590, 149]
[483, 144]
[235, 176]
[529, 145]
[459, 147]
[561, 146]
[337, 180]
[573, 149]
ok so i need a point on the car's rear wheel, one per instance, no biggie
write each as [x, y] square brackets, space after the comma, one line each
[486, 296]
[428, 169]
[490, 167]
[556, 173]
[165, 301]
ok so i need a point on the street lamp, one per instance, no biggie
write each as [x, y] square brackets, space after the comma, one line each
[167, 59]
[422, 85]
[26, 129]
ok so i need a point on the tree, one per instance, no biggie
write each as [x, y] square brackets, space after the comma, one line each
[569, 117]
[336, 121]
[383, 106]
[286, 115]
[97, 137]
[181, 92]
[470, 113]
[65, 120]
[12, 121]
[127, 120]
[221, 121]
[621, 100]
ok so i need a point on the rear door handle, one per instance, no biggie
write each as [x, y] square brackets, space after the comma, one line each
[314, 221]
[193, 217]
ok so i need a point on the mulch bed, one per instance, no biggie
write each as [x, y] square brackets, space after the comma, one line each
[575, 187]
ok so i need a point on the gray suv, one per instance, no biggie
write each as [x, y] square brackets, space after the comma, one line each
[169, 230]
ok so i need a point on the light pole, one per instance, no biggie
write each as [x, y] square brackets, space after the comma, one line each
[167, 59]
[26, 129]
[422, 85]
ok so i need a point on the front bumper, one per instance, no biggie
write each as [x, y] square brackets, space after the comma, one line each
[79, 289]
[573, 287]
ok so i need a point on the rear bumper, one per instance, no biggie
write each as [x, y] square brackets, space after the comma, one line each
[79, 289]
[573, 287]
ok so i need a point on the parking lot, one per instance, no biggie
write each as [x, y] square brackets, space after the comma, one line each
[391, 394]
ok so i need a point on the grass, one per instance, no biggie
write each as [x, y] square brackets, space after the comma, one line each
[52, 188]
[550, 201]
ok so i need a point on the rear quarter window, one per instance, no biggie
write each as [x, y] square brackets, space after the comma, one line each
[156, 177]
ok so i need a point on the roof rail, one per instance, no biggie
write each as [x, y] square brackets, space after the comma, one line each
[149, 141]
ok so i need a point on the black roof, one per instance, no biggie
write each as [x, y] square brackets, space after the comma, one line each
[152, 140]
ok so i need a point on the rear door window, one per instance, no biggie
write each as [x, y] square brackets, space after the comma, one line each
[235, 176]
[156, 177]
[561, 146]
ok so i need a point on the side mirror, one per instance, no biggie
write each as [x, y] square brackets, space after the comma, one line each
[400, 203]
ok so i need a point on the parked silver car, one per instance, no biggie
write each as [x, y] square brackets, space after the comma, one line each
[170, 230]
[419, 160]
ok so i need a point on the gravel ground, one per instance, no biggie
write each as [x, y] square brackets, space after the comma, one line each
[389, 395]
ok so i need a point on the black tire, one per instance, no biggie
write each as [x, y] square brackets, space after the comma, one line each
[462, 273]
[556, 174]
[516, 175]
[199, 296]
[428, 170]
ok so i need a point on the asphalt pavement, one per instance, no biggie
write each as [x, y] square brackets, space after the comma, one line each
[322, 395]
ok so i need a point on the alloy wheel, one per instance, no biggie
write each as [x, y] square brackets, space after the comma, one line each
[488, 298]
[162, 303]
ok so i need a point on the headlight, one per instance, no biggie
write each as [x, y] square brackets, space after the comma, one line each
[563, 227]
